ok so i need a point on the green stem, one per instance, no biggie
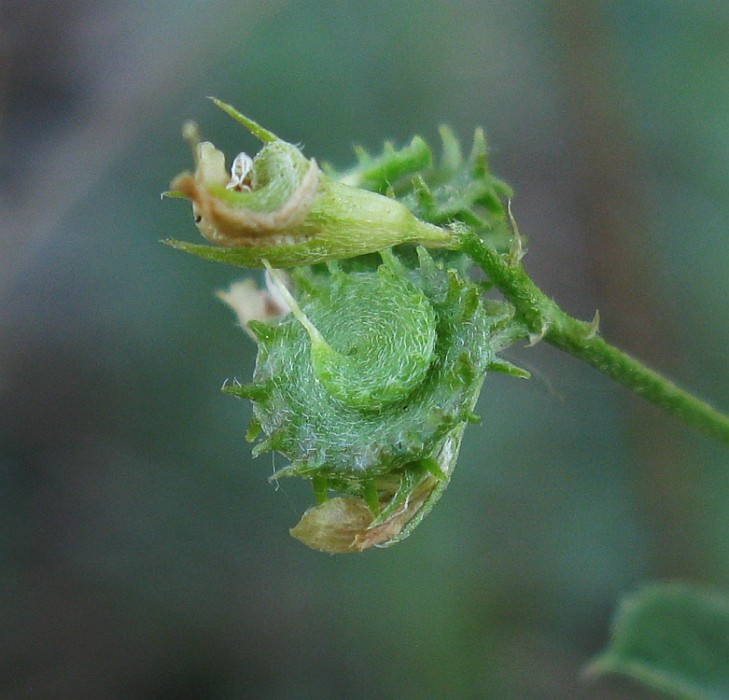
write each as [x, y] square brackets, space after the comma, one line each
[546, 320]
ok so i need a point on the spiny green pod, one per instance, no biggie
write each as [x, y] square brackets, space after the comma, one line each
[368, 384]
[367, 387]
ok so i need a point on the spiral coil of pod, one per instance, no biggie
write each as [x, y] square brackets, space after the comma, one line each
[367, 386]
[425, 341]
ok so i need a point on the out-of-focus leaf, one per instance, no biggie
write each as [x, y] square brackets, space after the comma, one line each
[673, 638]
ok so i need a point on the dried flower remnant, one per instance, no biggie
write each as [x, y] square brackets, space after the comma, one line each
[279, 205]
[250, 303]
[351, 524]
[239, 180]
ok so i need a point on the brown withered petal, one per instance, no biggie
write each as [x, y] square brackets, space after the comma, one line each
[333, 526]
[236, 227]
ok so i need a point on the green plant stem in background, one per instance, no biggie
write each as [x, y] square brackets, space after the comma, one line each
[545, 320]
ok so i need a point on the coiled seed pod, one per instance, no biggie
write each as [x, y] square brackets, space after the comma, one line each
[367, 386]
[376, 373]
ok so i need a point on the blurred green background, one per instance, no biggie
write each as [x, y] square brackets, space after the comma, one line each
[144, 554]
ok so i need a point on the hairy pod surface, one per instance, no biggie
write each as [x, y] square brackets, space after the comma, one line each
[412, 348]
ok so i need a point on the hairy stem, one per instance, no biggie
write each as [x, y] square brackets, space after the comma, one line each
[545, 320]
